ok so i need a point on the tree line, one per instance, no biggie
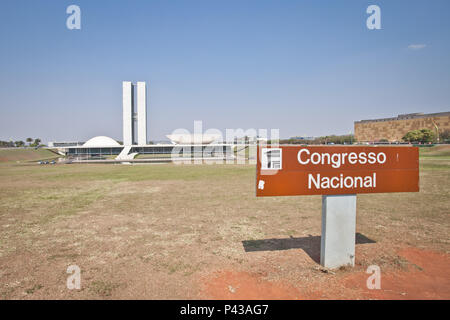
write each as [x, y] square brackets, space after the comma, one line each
[332, 139]
[426, 136]
[30, 142]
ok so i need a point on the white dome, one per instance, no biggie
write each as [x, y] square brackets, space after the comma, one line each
[101, 141]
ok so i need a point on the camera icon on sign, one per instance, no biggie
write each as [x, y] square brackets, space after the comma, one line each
[271, 159]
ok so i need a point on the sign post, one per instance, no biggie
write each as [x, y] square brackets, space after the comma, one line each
[337, 243]
[338, 173]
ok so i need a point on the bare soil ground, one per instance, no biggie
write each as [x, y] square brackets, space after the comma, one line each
[167, 231]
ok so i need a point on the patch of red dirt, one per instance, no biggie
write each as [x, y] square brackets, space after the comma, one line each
[427, 278]
[230, 285]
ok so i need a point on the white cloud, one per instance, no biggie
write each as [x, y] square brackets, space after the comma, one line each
[416, 46]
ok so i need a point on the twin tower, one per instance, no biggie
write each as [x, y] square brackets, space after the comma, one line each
[130, 116]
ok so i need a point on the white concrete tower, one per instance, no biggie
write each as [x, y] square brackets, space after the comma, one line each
[128, 110]
[141, 113]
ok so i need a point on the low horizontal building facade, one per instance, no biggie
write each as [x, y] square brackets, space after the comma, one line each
[212, 150]
[393, 129]
[63, 144]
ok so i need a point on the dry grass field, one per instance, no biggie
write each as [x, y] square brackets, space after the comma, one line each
[26, 154]
[165, 231]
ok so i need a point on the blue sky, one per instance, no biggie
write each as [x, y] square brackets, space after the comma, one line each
[304, 67]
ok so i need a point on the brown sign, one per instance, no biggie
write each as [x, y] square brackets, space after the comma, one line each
[297, 170]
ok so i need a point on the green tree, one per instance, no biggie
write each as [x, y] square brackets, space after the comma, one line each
[427, 136]
[422, 136]
[29, 140]
[19, 143]
[36, 142]
[412, 136]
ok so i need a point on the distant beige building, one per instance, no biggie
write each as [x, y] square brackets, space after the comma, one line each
[393, 129]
